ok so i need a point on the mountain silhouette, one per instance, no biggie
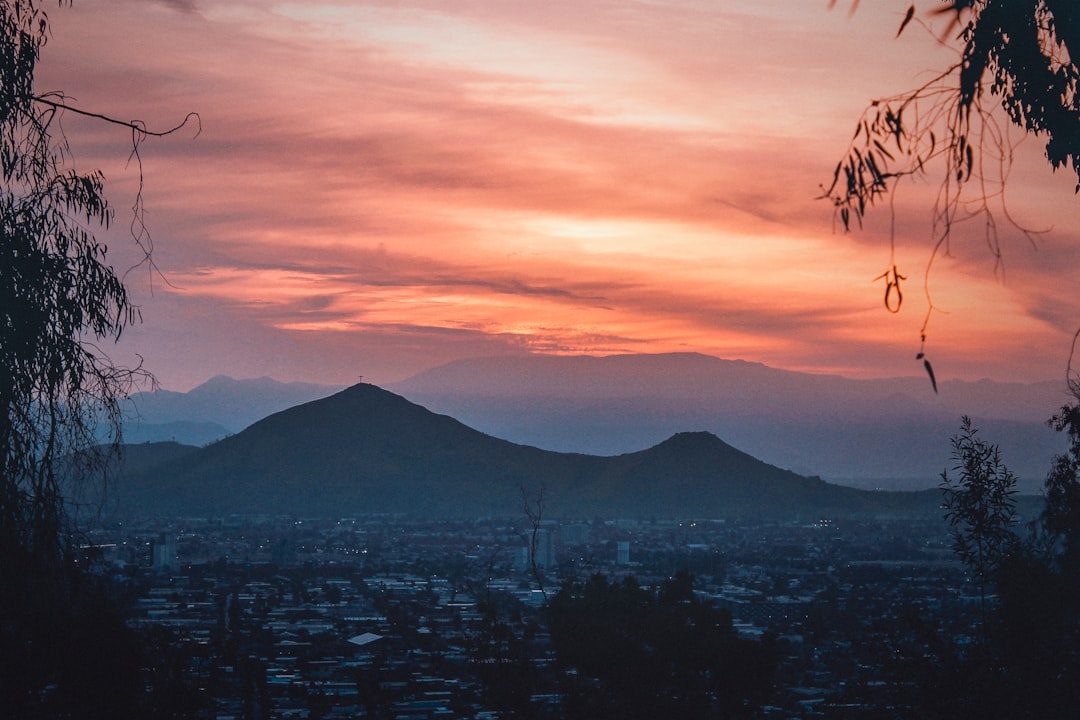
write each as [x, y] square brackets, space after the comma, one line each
[210, 411]
[891, 432]
[884, 433]
[365, 450]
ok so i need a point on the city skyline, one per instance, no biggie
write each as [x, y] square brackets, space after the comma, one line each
[382, 187]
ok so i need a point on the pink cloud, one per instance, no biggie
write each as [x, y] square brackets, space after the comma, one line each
[548, 177]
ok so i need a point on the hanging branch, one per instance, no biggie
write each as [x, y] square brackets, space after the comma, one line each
[1024, 57]
[138, 229]
[138, 127]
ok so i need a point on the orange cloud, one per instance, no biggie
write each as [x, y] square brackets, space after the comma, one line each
[449, 180]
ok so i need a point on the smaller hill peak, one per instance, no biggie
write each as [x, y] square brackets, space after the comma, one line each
[691, 441]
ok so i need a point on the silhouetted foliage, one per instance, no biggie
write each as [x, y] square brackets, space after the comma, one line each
[1028, 665]
[1023, 54]
[1061, 519]
[59, 395]
[1018, 51]
[980, 505]
[502, 655]
[628, 652]
[57, 298]
[66, 652]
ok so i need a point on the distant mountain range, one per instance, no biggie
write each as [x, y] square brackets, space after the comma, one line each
[365, 450]
[219, 407]
[891, 433]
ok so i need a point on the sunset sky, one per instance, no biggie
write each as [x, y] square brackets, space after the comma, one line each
[381, 187]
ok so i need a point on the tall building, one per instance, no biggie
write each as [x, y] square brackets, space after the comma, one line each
[622, 552]
[545, 548]
[164, 557]
[574, 534]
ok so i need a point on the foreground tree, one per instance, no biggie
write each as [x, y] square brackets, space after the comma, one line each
[628, 652]
[57, 298]
[1028, 661]
[59, 302]
[1060, 521]
[980, 506]
[59, 392]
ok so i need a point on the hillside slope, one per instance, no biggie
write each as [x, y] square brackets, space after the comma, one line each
[365, 450]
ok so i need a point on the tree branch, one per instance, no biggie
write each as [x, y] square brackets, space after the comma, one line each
[137, 126]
